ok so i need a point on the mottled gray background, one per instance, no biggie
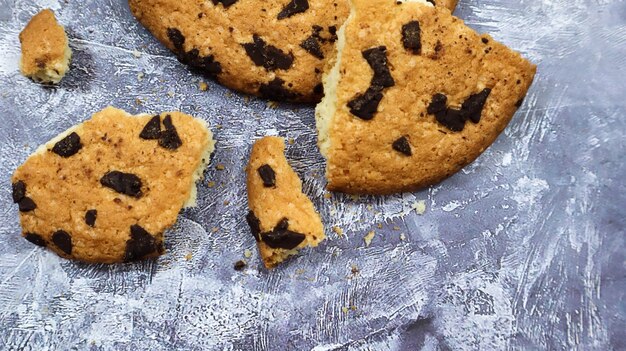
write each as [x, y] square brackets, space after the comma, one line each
[524, 249]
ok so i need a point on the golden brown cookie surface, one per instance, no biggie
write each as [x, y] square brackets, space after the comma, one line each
[414, 96]
[281, 218]
[275, 49]
[106, 190]
[45, 50]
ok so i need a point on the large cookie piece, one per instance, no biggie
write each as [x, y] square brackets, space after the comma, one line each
[45, 50]
[414, 95]
[107, 189]
[281, 218]
[273, 49]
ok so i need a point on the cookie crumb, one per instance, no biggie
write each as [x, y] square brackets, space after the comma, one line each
[338, 230]
[220, 167]
[272, 104]
[188, 256]
[203, 86]
[291, 141]
[327, 195]
[247, 253]
[368, 238]
[211, 184]
[136, 53]
[420, 207]
[140, 76]
[344, 309]
[402, 237]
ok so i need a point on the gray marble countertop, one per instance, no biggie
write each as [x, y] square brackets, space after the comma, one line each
[523, 249]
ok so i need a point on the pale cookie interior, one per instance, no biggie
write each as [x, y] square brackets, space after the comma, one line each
[65, 188]
[284, 200]
[46, 52]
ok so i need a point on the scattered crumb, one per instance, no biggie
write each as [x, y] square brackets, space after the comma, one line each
[219, 126]
[203, 86]
[170, 93]
[140, 75]
[272, 104]
[215, 229]
[247, 253]
[240, 265]
[300, 271]
[228, 94]
[402, 237]
[355, 197]
[353, 307]
[395, 227]
[220, 167]
[420, 207]
[211, 184]
[338, 230]
[344, 309]
[226, 203]
[138, 101]
[188, 256]
[291, 141]
[136, 53]
[355, 269]
[368, 238]
[246, 99]
[379, 225]
[327, 196]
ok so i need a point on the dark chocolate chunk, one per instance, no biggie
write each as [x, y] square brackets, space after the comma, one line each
[35, 239]
[333, 33]
[255, 225]
[293, 7]
[282, 225]
[63, 241]
[402, 145]
[123, 183]
[519, 103]
[169, 137]
[318, 89]
[268, 56]
[452, 119]
[140, 244]
[26, 204]
[68, 146]
[365, 105]
[437, 104]
[377, 59]
[90, 217]
[205, 64]
[275, 90]
[282, 238]
[239, 265]
[152, 130]
[411, 37]
[225, 3]
[19, 191]
[472, 108]
[268, 176]
[177, 38]
[312, 46]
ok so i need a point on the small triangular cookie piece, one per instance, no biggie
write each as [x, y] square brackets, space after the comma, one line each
[106, 190]
[281, 218]
[413, 96]
[45, 50]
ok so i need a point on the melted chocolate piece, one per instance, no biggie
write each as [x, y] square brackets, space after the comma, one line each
[26, 204]
[19, 191]
[268, 176]
[292, 8]
[377, 59]
[402, 146]
[90, 217]
[123, 183]
[35, 239]
[152, 130]
[63, 241]
[140, 244]
[225, 3]
[268, 56]
[312, 46]
[254, 224]
[282, 238]
[365, 105]
[169, 138]
[411, 37]
[68, 146]
[275, 90]
[472, 108]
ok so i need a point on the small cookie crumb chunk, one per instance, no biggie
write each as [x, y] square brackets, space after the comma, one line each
[368, 238]
[45, 50]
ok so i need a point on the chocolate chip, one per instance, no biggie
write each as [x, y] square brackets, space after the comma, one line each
[275, 90]
[63, 241]
[177, 38]
[204, 64]
[333, 33]
[485, 40]
[152, 130]
[402, 145]
[452, 119]
[282, 238]
[140, 244]
[519, 103]
[26, 204]
[123, 183]
[472, 108]
[35, 239]
[312, 46]
[411, 37]
[365, 105]
[318, 89]
[19, 191]
[377, 59]
[68, 146]
[268, 56]
[169, 137]
[90, 217]
[293, 7]
[268, 176]
[239, 265]
[437, 104]
[225, 3]
[254, 224]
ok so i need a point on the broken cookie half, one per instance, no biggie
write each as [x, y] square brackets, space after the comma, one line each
[413, 96]
[282, 219]
[106, 190]
[45, 50]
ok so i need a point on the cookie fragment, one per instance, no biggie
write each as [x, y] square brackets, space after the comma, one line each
[63, 240]
[411, 37]
[35, 239]
[267, 56]
[140, 244]
[267, 175]
[294, 7]
[123, 183]
[90, 217]
[68, 146]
